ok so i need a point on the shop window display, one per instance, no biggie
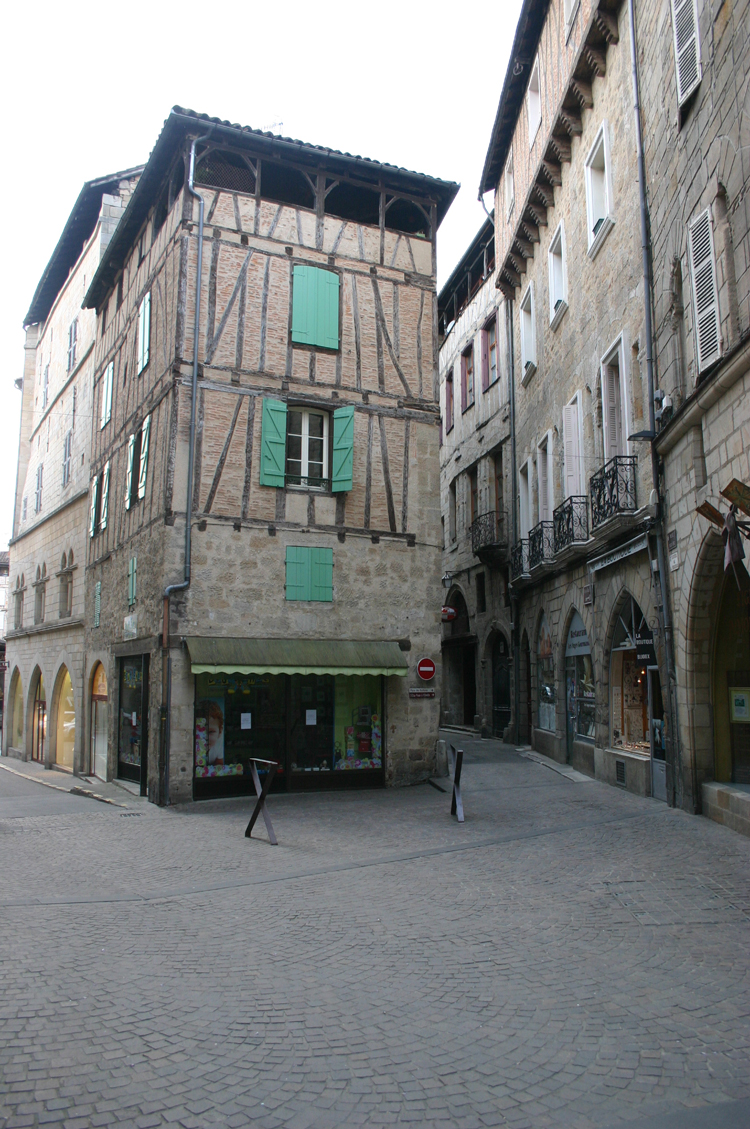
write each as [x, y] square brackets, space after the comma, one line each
[632, 653]
[546, 677]
[579, 681]
[310, 724]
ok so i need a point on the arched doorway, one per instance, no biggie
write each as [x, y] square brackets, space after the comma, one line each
[637, 708]
[459, 648]
[545, 677]
[580, 695]
[99, 722]
[66, 724]
[39, 721]
[500, 686]
[15, 732]
[731, 680]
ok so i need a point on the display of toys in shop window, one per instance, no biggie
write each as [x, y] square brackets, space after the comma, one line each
[363, 745]
[202, 766]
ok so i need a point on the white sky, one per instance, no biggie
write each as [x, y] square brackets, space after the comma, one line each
[87, 86]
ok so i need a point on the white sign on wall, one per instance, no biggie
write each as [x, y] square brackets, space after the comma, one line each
[246, 720]
[311, 717]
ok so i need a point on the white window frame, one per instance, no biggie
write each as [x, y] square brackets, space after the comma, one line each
[528, 335]
[39, 486]
[594, 185]
[306, 413]
[703, 284]
[557, 251]
[509, 184]
[616, 351]
[570, 11]
[578, 473]
[45, 387]
[524, 499]
[686, 38]
[67, 458]
[144, 333]
[534, 101]
[544, 455]
[107, 383]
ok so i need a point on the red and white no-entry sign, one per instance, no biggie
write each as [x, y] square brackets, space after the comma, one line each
[426, 669]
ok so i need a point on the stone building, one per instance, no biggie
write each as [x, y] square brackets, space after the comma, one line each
[589, 647]
[263, 559]
[475, 491]
[45, 638]
[695, 102]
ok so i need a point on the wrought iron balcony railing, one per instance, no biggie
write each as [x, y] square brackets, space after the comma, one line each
[519, 559]
[613, 489]
[489, 530]
[542, 544]
[571, 521]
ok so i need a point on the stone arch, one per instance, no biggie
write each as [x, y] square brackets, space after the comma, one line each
[15, 728]
[64, 720]
[95, 735]
[36, 718]
[497, 661]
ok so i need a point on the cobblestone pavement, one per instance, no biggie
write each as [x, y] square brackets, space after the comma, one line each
[572, 955]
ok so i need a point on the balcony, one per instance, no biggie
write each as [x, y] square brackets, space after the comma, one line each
[542, 544]
[519, 560]
[489, 537]
[613, 490]
[571, 522]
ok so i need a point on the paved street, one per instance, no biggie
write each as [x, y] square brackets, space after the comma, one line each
[571, 956]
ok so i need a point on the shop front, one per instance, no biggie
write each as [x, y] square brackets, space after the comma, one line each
[580, 697]
[637, 718]
[315, 707]
[132, 729]
[99, 726]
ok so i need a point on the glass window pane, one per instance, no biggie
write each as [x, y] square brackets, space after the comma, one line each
[294, 423]
[316, 425]
[294, 447]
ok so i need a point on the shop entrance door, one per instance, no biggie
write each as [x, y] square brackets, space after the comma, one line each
[132, 743]
[39, 722]
[656, 732]
[99, 727]
[470, 685]
[500, 687]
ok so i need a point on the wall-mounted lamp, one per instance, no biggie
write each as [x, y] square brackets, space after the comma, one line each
[447, 579]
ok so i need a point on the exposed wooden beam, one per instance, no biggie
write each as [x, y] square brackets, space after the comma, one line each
[505, 289]
[511, 274]
[552, 171]
[531, 229]
[582, 91]
[517, 262]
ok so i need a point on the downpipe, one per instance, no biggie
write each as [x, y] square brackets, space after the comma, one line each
[663, 607]
[185, 583]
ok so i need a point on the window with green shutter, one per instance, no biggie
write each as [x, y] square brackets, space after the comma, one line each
[343, 449]
[309, 574]
[273, 443]
[315, 307]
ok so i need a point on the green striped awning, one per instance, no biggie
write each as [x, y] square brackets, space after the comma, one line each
[213, 655]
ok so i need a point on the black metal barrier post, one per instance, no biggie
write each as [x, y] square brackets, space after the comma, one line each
[457, 760]
[261, 793]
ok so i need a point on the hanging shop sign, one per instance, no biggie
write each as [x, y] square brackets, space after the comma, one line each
[644, 646]
[447, 613]
[418, 692]
[426, 669]
[578, 640]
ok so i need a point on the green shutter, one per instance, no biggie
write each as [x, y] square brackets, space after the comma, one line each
[321, 568]
[105, 497]
[273, 443]
[144, 332]
[315, 307]
[343, 449]
[129, 472]
[327, 332]
[97, 602]
[298, 573]
[145, 432]
[92, 518]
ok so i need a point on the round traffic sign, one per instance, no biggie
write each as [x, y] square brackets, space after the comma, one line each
[426, 669]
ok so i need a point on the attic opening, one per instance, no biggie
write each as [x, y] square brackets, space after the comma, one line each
[352, 202]
[220, 168]
[284, 185]
[407, 217]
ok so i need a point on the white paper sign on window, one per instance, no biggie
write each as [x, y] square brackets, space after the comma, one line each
[246, 720]
[311, 717]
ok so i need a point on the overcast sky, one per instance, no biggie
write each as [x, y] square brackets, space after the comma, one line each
[87, 87]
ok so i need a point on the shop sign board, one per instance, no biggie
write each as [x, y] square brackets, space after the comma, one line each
[130, 627]
[644, 646]
[739, 704]
[578, 640]
[418, 692]
[246, 721]
[426, 669]
[637, 545]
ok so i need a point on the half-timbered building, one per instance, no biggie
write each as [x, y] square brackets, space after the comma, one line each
[263, 550]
